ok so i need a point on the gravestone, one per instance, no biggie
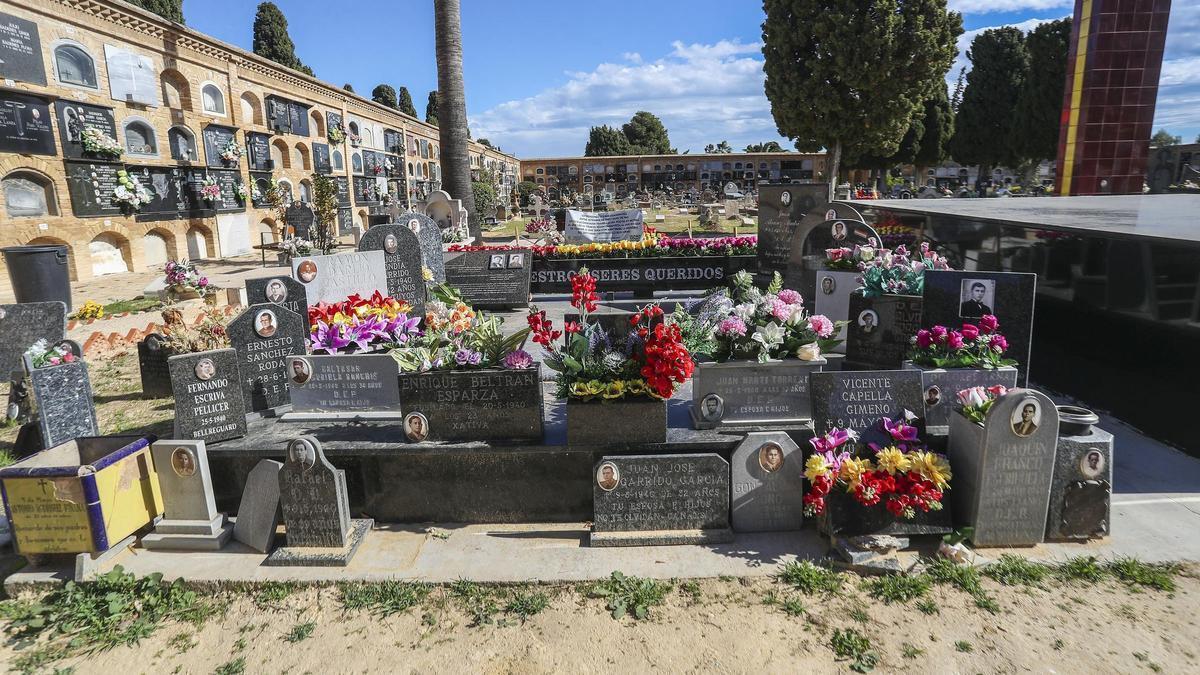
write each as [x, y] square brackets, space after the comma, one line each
[780, 210]
[216, 137]
[25, 124]
[90, 186]
[73, 118]
[282, 291]
[807, 248]
[832, 299]
[258, 514]
[768, 483]
[62, 396]
[880, 330]
[300, 218]
[430, 238]
[316, 510]
[1081, 489]
[21, 50]
[354, 386]
[23, 324]
[264, 336]
[333, 278]
[857, 399]
[208, 400]
[476, 405]
[648, 500]
[491, 279]
[258, 151]
[951, 300]
[1003, 469]
[190, 521]
[321, 159]
[402, 260]
[941, 387]
[749, 392]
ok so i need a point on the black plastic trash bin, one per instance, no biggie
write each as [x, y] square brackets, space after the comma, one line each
[39, 273]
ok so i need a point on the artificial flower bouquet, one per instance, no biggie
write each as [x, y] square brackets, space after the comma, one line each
[96, 142]
[975, 346]
[231, 152]
[457, 337]
[357, 325]
[241, 191]
[295, 247]
[897, 271]
[42, 355]
[975, 402]
[336, 135]
[129, 193]
[649, 360]
[899, 473]
[183, 276]
[210, 190]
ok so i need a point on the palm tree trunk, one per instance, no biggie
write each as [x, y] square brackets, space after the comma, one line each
[452, 110]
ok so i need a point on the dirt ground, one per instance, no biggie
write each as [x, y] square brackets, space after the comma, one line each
[726, 626]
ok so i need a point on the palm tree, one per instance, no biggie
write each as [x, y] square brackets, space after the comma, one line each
[452, 109]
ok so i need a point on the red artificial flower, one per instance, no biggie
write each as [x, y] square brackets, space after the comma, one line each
[988, 323]
[572, 327]
[969, 331]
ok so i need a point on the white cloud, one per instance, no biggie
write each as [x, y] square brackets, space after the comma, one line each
[632, 57]
[993, 6]
[704, 93]
[1178, 105]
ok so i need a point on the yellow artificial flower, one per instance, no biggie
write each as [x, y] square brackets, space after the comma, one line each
[635, 387]
[615, 389]
[815, 467]
[426, 273]
[852, 471]
[933, 467]
[595, 387]
[580, 390]
[893, 461]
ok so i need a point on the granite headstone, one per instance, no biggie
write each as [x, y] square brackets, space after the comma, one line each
[768, 483]
[402, 260]
[190, 518]
[258, 151]
[21, 51]
[23, 324]
[880, 330]
[346, 386]
[780, 210]
[258, 514]
[300, 218]
[491, 279]
[476, 404]
[1081, 490]
[73, 118]
[832, 299]
[749, 392]
[90, 186]
[642, 500]
[216, 137]
[333, 278]
[430, 237]
[25, 124]
[62, 396]
[264, 336]
[208, 396]
[283, 291]
[812, 236]
[857, 399]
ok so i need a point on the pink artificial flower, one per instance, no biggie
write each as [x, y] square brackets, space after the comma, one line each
[988, 323]
[998, 344]
[781, 310]
[69, 357]
[732, 326]
[954, 340]
[969, 331]
[790, 297]
[973, 396]
[821, 325]
[938, 333]
[835, 254]
[997, 390]
[924, 339]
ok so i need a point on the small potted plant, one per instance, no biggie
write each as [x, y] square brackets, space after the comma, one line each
[952, 360]
[762, 345]
[616, 383]
[887, 482]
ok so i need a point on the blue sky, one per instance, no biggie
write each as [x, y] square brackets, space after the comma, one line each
[538, 75]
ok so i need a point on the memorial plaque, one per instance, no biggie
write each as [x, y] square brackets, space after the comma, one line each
[25, 126]
[366, 191]
[279, 116]
[832, 299]
[63, 397]
[1081, 490]
[321, 159]
[343, 191]
[300, 218]
[91, 186]
[132, 77]
[857, 399]
[152, 363]
[298, 115]
[429, 235]
[333, 120]
[502, 405]
[174, 192]
[264, 336]
[953, 298]
[258, 151]
[768, 483]
[312, 493]
[358, 385]
[23, 324]
[1003, 469]
[216, 137]
[345, 222]
[941, 387]
[333, 278]
[749, 392]
[780, 208]
[646, 500]
[282, 291]
[880, 330]
[812, 237]
[21, 50]
[604, 226]
[228, 180]
[262, 183]
[393, 141]
[644, 275]
[491, 279]
[402, 261]
[372, 163]
[190, 521]
[258, 513]
[73, 118]
[208, 396]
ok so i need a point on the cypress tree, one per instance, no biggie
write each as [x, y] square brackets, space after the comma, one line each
[271, 39]
[431, 109]
[384, 95]
[983, 128]
[605, 141]
[405, 103]
[171, 10]
[1034, 135]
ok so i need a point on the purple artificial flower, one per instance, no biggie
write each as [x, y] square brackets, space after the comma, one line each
[517, 360]
[328, 338]
[732, 326]
[899, 430]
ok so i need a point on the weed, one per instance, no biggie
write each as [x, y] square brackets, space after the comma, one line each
[630, 594]
[793, 606]
[692, 589]
[928, 606]
[1145, 658]
[1134, 573]
[988, 603]
[1013, 570]
[910, 651]
[1057, 645]
[182, 643]
[479, 602]
[34, 660]
[770, 598]
[271, 594]
[897, 587]
[384, 598]
[963, 577]
[851, 644]
[810, 579]
[235, 667]
[1084, 568]
[526, 603]
[964, 646]
[859, 615]
[134, 305]
[300, 632]
[6, 456]
[1126, 611]
[726, 578]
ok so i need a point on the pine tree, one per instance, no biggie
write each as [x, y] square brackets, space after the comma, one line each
[849, 75]
[348, 87]
[984, 124]
[171, 10]
[271, 39]
[405, 103]
[383, 94]
[769, 146]
[1038, 114]
[1162, 138]
[647, 135]
[605, 141]
[431, 109]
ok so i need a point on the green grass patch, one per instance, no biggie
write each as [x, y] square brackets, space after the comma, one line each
[810, 579]
[965, 578]
[1013, 570]
[964, 646]
[271, 594]
[630, 595]
[928, 606]
[383, 598]
[897, 587]
[793, 606]
[478, 601]
[526, 603]
[6, 456]
[132, 305]
[851, 644]
[1135, 573]
[909, 651]
[235, 667]
[1084, 568]
[300, 632]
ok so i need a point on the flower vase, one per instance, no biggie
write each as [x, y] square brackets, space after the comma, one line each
[628, 421]
[845, 517]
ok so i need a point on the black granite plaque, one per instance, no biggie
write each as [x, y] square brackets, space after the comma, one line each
[372, 163]
[25, 126]
[345, 222]
[393, 141]
[208, 396]
[366, 191]
[21, 50]
[63, 396]
[258, 151]
[21, 325]
[300, 218]
[298, 115]
[354, 383]
[228, 180]
[879, 335]
[321, 163]
[476, 405]
[343, 191]
[950, 301]
[660, 499]
[857, 399]
[813, 235]
[264, 336]
[91, 186]
[173, 192]
[396, 171]
[491, 278]
[780, 208]
[216, 137]
[333, 120]
[282, 291]
[402, 262]
[643, 275]
[279, 117]
[152, 363]
[73, 118]
[262, 183]
[312, 493]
